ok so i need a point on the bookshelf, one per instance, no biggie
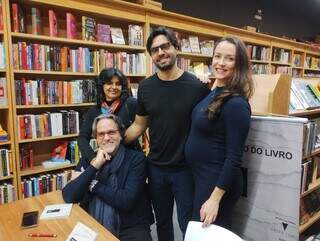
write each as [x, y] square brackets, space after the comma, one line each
[9, 181]
[273, 92]
[113, 17]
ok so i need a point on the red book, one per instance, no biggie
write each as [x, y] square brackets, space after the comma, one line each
[24, 55]
[71, 26]
[15, 21]
[53, 24]
[36, 57]
[36, 21]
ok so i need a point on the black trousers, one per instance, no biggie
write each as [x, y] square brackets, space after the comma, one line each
[135, 233]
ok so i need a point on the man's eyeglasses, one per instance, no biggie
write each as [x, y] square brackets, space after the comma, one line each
[163, 47]
[110, 133]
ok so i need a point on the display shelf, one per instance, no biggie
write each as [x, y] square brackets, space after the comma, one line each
[6, 178]
[53, 106]
[48, 138]
[41, 169]
[76, 42]
[3, 143]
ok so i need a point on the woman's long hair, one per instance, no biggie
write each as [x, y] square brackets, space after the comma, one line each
[105, 77]
[240, 84]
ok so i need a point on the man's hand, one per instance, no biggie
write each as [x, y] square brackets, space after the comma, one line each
[101, 158]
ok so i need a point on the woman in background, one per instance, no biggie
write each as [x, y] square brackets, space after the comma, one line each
[220, 125]
[112, 97]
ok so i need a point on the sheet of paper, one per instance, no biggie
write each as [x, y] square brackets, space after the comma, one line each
[196, 232]
[56, 211]
[82, 232]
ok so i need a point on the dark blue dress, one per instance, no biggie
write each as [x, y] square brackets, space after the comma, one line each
[214, 150]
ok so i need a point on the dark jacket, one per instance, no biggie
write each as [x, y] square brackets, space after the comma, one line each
[129, 199]
[126, 114]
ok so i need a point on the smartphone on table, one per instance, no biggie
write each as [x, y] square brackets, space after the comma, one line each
[29, 219]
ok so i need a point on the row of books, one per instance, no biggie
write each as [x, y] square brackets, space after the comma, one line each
[303, 95]
[48, 124]
[5, 162]
[309, 206]
[42, 92]
[310, 138]
[3, 91]
[7, 193]
[312, 62]
[91, 30]
[2, 56]
[197, 68]
[31, 56]
[127, 63]
[297, 73]
[313, 74]
[45, 183]
[280, 55]
[276, 69]
[192, 45]
[260, 69]
[258, 52]
[27, 56]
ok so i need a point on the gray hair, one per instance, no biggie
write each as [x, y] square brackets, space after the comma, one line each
[113, 117]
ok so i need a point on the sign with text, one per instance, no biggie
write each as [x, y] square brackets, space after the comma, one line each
[272, 162]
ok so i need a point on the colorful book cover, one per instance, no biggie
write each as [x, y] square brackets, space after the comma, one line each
[15, 21]
[88, 29]
[71, 26]
[3, 95]
[135, 35]
[117, 36]
[194, 44]
[53, 24]
[36, 21]
[103, 33]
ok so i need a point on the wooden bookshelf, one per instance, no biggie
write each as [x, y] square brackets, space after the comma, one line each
[3, 70]
[314, 153]
[312, 187]
[6, 178]
[280, 63]
[4, 143]
[259, 61]
[194, 55]
[296, 67]
[76, 42]
[48, 138]
[312, 69]
[3, 107]
[305, 113]
[311, 221]
[54, 106]
[36, 72]
[40, 169]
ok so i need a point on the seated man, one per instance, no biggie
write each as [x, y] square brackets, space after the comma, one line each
[113, 183]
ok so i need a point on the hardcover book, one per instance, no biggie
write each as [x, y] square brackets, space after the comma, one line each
[88, 28]
[194, 44]
[117, 36]
[71, 26]
[103, 33]
[53, 24]
[135, 35]
[36, 21]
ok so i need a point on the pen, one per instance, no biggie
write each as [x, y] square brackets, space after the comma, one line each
[49, 235]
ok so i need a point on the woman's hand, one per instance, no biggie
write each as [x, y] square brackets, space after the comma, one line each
[209, 211]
